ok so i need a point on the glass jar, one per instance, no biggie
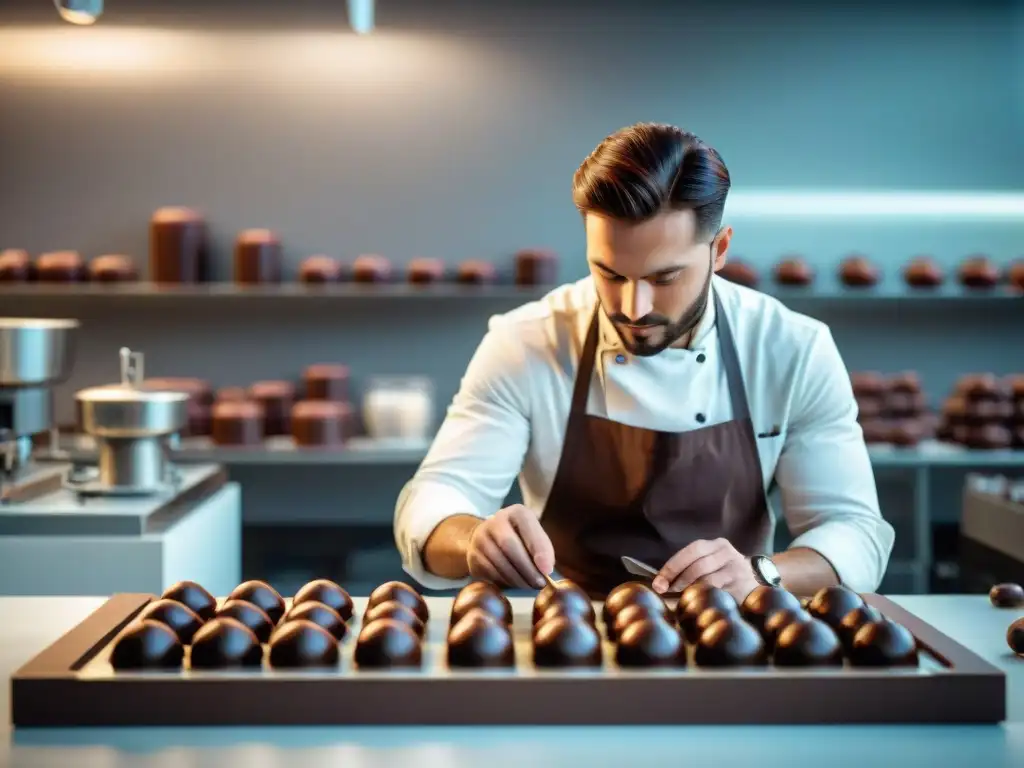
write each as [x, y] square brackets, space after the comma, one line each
[398, 407]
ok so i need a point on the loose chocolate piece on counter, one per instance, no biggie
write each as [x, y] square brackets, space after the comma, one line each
[320, 269]
[61, 267]
[276, 398]
[536, 266]
[566, 641]
[1006, 595]
[808, 644]
[16, 266]
[1015, 637]
[262, 595]
[740, 272]
[319, 614]
[236, 422]
[258, 257]
[386, 643]
[479, 640]
[688, 613]
[625, 595]
[793, 271]
[177, 246]
[858, 272]
[568, 598]
[327, 592]
[730, 643]
[1015, 274]
[321, 423]
[831, 604]
[182, 620]
[883, 644]
[112, 268]
[400, 592]
[300, 643]
[396, 611]
[485, 597]
[326, 381]
[978, 272]
[779, 620]
[370, 268]
[851, 623]
[476, 272]
[147, 645]
[923, 272]
[198, 390]
[425, 271]
[650, 642]
[763, 601]
[224, 643]
[252, 616]
[194, 596]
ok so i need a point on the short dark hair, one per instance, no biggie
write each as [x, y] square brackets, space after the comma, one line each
[649, 168]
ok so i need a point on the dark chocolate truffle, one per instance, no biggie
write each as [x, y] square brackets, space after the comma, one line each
[319, 268]
[566, 641]
[60, 267]
[628, 594]
[178, 616]
[224, 642]
[851, 623]
[147, 645]
[978, 272]
[691, 592]
[710, 598]
[402, 593]
[808, 644]
[831, 604]
[763, 601]
[706, 619]
[484, 596]
[301, 643]
[739, 272]
[1015, 637]
[16, 266]
[370, 268]
[326, 592]
[475, 272]
[322, 615]
[112, 268]
[386, 643]
[252, 616]
[730, 643]
[794, 271]
[568, 597]
[423, 271]
[883, 644]
[194, 596]
[650, 642]
[630, 614]
[480, 639]
[1006, 596]
[858, 272]
[395, 611]
[263, 596]
[778, 621]
[923, 272]
[1015, 274]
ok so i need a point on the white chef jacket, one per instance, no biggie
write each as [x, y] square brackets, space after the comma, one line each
[510, 413]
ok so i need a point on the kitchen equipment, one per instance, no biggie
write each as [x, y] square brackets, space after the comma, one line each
[638, 568]
[35, 355]
[132, 426]
[398, 408]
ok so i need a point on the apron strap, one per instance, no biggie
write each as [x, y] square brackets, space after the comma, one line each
[731, 363]
[581, 387]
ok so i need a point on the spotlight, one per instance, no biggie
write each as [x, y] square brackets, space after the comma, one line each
[82, 12]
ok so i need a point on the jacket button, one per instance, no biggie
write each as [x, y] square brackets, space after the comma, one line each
[701, 357]
[700, 418]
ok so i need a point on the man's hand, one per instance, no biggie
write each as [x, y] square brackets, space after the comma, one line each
[712, 562]
[512, 549]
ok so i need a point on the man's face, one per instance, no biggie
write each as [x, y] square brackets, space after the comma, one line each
[652, 278]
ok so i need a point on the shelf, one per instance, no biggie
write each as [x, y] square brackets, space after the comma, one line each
[823, 291]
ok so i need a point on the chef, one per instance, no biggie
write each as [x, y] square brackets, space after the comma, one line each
[650, 410]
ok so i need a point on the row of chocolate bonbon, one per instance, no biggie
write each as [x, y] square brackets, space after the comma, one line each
[892, 409]
[858, 271]
[17, 265]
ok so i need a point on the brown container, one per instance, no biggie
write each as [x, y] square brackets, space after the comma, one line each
[60, 267]
[232, 393]
[16, 266]
[198, 390]
[321, 269]
[425, 271]
[258, 257]
[536, 266]
[112, 268]
[477, 272]
[321, 423]
[276, 398]
[177, 246]
[370, 268]
[326, 381]
[198, 420]
[237, 422]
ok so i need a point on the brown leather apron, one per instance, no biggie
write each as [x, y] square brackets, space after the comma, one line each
[623, 490]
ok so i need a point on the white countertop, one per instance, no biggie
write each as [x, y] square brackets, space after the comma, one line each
[27, 625]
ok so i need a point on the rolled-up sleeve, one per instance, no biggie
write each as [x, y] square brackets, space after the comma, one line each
[824, 473]
[477, 452]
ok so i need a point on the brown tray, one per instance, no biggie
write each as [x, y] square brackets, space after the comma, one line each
[70, 683]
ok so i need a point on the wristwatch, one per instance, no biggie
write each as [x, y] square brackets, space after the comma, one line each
[765, 571]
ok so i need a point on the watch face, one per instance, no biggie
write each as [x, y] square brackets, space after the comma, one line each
[768, 571]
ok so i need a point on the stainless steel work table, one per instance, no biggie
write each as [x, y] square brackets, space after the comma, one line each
[28, 624]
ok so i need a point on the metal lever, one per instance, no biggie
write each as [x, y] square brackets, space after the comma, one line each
[131, 367]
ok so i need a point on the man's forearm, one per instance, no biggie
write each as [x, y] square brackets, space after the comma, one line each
[804, 571]
[444, 552]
